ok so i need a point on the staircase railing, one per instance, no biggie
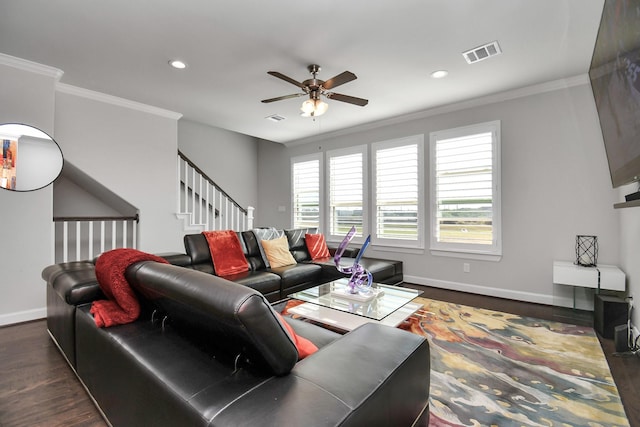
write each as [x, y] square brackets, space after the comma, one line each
[205, 205]
[84, 238]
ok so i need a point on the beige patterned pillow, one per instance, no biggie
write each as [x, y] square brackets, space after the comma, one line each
[277, 252]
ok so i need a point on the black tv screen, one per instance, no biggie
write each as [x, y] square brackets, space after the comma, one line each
[615, 81]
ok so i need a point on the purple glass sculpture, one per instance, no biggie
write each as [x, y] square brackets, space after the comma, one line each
[361, 279]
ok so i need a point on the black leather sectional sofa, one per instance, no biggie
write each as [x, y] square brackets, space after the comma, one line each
[207, 351]
[277, 283]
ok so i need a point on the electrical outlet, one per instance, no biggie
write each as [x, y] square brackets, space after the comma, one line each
[466, 267]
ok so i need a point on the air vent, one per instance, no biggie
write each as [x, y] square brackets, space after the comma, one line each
[275, 118]
[482, 52]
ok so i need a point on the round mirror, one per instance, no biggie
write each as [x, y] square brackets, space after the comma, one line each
[31, 159]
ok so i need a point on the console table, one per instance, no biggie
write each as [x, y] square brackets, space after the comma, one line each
[608, 277]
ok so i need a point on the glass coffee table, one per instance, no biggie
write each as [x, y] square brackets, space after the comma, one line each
[331, 305]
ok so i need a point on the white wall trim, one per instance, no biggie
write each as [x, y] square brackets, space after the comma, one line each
[23, 316]
[471, 103]
[483, 290]
[32, 67]
[114, 100]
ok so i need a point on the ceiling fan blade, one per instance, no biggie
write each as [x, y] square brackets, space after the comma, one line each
[338, 80]
[286, 79]
[280, 98]
[346, 98]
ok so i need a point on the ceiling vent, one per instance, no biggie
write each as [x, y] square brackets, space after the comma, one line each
[482, 52]
[275, 118]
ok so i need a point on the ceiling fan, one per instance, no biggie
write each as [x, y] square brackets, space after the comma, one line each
[315, 88]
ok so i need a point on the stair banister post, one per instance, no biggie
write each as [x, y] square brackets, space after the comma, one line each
[250, 210]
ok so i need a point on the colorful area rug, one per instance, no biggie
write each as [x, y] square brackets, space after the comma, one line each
[496, 369]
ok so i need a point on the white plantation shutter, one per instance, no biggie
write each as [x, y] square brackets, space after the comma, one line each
[398, 193]
[465, 197]
[306, 193]
[346, 192]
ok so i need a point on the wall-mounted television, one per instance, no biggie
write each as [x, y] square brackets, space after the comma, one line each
[615, 81]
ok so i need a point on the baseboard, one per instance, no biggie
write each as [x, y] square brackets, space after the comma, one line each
[23, 316]
[485, 290]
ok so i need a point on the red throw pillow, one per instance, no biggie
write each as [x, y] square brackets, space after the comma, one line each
[226, 252]
[317, 246]
[304, 346]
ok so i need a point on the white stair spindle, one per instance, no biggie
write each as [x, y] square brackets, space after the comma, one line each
[113, 234]
[78, 240]
[90, 241]
[135, 234]
[101, 236]
[65, 241]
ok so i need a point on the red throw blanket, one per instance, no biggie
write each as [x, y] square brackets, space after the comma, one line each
[122, 305]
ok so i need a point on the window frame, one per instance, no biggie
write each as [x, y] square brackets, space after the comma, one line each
[360, 235]
[492, 252]
[303, 159]
[376, 240]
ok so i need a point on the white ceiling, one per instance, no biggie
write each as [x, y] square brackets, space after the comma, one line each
[122, 48]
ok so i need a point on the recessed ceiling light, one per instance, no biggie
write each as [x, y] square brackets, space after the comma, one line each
[439, 74]
[176, 63]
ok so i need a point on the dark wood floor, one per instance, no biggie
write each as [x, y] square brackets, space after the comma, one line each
[37, 387]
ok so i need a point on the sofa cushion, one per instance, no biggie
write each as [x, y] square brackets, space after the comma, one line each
[316, 245]
[277, 252]
[266, 233]
[383, 271]
[262, 281]
[233, 316]
[317, 335]
[226, 252]
[297, 276]
[297, 244]
[304, 346]
[252, 251]
[197, 248]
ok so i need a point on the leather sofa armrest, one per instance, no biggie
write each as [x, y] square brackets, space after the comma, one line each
[382, 373]
[75, 282]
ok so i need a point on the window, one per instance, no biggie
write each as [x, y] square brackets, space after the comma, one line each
[305, 187]
[465, 190]
[347, 191]
[398, 193]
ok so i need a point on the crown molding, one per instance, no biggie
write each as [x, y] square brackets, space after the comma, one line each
[463, 105]
[117, 101]
[32, 67]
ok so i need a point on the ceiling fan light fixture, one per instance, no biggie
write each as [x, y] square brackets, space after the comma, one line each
[321, 107]
[308, 106]
[313, 108]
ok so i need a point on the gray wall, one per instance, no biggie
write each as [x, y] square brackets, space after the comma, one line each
[555, 185]
[26, 229]
[131, 152]
[228, 158]
[128, 148]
